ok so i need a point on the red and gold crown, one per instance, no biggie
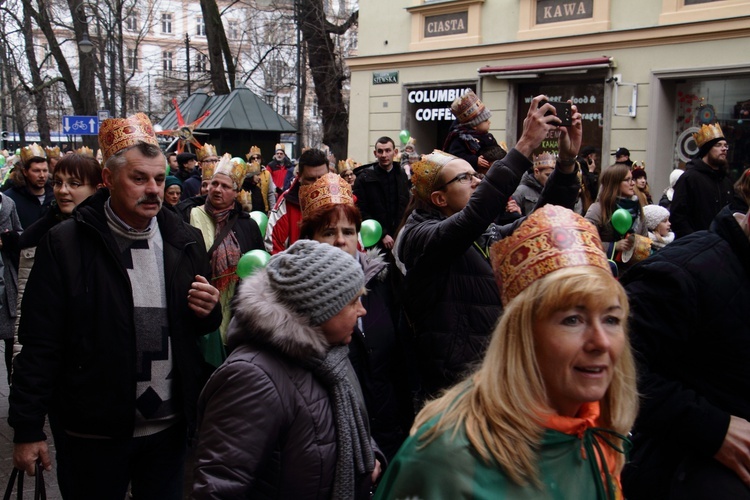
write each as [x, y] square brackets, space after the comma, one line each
[84, 151]
[52, 152]
[234, 168]
[708, 133]
[331, 189]
[254, 150]
[545, 160]
[551, 238]
[116, 134]
[205, 151]
[425, 172]
[33, 151]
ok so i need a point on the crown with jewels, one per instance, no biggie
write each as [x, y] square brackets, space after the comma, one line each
[708, 133]
[254, 150]
[33, 151]
[551, 238]
[331, 189]
[116, 134]
[205, 151]
[234, 168]
[84, 151]
[52, 152]
[545, 160]
[425, 172]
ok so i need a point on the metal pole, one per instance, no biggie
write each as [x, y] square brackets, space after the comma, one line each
[3, 119]
[300, 106]
[187, 61]
[112, 78]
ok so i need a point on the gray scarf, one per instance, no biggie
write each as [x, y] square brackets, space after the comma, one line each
[355, 456]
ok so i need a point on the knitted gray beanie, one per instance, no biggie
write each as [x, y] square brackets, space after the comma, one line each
[316, 280]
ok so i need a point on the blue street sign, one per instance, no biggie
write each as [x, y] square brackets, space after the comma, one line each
[81, 125]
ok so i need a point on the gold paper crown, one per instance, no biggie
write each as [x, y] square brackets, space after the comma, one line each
[253, 168]
[31, 152]
[551, 238]
[425, 172]
[708, 133]
[411, 142]
[234, 168]
[116, 134]
[254, 150]
[84, 151]
[280, 147]
[545, 160]
[331, 189]
[205, 151]
[348, 164]
[52, 152]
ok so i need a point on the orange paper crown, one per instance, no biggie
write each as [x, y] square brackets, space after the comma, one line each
[331, 189]
[52, 152]
[551, 238]
[424, 173]
[232, 168]
[254, 150]
[84, 151]
[206, 151]
[545, 160]
[116, 134]
[33, 151]
[708, 133]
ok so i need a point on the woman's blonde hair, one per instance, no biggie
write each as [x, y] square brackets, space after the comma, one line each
[609, 190]
[503, 404]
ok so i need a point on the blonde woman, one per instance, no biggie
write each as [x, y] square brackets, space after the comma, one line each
[546, 413]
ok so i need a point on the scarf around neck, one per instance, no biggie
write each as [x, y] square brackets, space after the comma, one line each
[227, 253]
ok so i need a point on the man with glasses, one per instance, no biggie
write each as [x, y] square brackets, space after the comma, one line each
[704, 189]
[267, 187]
[450, 296]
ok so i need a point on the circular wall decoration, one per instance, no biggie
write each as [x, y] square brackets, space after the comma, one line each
[686, 145]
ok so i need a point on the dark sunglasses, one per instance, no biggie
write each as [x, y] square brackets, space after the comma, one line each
[463, 178]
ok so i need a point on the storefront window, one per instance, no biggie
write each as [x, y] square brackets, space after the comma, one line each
[429, 113]
[724, 101]
[587, 95]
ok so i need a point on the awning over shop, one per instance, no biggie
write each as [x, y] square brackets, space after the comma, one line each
[535, 70]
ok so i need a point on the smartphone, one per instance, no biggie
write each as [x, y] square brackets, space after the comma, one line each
[563, 112]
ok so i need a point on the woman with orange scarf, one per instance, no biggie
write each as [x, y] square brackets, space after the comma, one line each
[546, 413]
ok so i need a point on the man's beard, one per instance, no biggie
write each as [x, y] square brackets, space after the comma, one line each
[717, 162]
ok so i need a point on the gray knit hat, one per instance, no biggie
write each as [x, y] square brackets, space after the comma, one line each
[654, 214]
[316, 280]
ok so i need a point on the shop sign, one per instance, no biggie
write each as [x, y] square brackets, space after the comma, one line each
[383, 77]
[555, 11]
[434, 104]
[455, 23]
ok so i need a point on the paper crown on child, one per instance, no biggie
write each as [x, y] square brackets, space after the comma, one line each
[52, 152]
[469, 109]
[331, 189]
[551, 238]
[233, 168]
[425, 172]
[344, 165]
[205, 151]
[32, 151]
[545, 160]
[116, 134]
[254, 150]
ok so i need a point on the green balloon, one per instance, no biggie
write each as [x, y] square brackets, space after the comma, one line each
[370, 232]
[261, 219]
[404, 136]
[622, 220]
[251, 262]
[18, 151]
[239, 160]
[2, 160]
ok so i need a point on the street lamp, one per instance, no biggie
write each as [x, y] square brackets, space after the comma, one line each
[85, 45]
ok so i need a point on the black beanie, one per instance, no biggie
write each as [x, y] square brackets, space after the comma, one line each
[703, 150]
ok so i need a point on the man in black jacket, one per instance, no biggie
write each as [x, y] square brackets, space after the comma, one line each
[450, 294]
[691, 336]
[34, 198]
[114, 306]
[382, 190]
[704, 188]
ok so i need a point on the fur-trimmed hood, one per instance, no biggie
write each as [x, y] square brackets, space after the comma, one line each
[373, 264]
[260, 318]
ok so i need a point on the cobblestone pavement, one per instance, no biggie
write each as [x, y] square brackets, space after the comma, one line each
[6, 446]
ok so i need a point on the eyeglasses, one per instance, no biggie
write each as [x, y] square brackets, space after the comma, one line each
[254, 158]
[463, 178]
[629, 180]
[72, 185]
[722, 146]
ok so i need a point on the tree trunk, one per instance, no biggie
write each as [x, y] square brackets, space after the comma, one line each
[216, 41]
[36, 80]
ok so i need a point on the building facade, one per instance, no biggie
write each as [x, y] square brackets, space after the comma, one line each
[644, 73]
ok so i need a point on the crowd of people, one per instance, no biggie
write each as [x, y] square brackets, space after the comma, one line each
[526, 326]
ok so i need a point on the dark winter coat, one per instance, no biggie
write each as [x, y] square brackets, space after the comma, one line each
[527, 193]
[465, 142]
[27, 204]
[370, 190]
[691, 336]
[192, 185]
[450, 294]
[77, 329]
[266, 424]
[699, 194]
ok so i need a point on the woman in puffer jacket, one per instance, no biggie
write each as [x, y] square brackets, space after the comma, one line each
[284, 417]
